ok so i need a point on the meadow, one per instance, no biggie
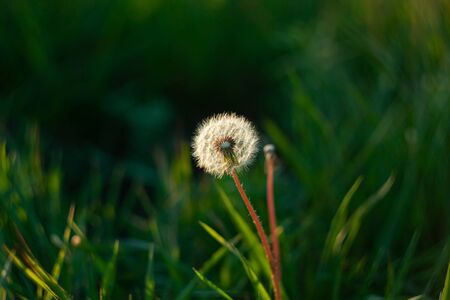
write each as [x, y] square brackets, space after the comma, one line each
[100, 197]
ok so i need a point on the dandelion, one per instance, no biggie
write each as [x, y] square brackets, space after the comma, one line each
[226, 144]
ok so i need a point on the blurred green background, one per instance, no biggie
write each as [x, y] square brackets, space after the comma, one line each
[99, 101]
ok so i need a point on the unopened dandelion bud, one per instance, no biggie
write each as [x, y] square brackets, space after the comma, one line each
[269, 151]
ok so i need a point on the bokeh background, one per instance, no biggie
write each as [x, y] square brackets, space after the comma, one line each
[99, 101]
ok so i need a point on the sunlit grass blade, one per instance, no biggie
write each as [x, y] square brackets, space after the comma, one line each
[420, 297]
[110, 272]
[3, 293]
[212, 285]
[149, 276]
[5, 271]
[259, 288]
[27, 259]
[206, 267]
[38, 276]
[49, 280]
[446, 290]
[62, 252]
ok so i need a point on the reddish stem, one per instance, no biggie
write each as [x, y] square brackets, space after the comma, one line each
[261, 233]
[273, 218]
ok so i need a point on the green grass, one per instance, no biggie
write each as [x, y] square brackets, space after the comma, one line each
[372, 242]
[355, 96]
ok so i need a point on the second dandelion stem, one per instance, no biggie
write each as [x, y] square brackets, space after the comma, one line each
[273, 218]
[261, 233]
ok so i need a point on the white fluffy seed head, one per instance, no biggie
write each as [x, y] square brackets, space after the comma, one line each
[223, 143]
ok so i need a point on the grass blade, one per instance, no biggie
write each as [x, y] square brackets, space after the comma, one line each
[37, 275]
[259, 288]
[339, 221]
[212, 285]
[62, 252]
[439, 266]
[446, 290]
[206, 267]
[5, 271]
[109, 274]
[406, 262]
[60, 259]
[351, 228]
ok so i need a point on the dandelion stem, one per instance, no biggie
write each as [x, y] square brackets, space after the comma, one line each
[261, 233]
[273, 218]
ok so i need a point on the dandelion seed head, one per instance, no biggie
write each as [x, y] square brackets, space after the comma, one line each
[223, 143]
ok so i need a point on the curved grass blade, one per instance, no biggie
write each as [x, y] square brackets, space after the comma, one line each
[249, 237]
[110, 272]
[351, 228]
[259, 288]
[439, 266]
[206, 267]
[37, 275]
[406, 263]
[212, 285]
[338, 221]
[62, 252]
